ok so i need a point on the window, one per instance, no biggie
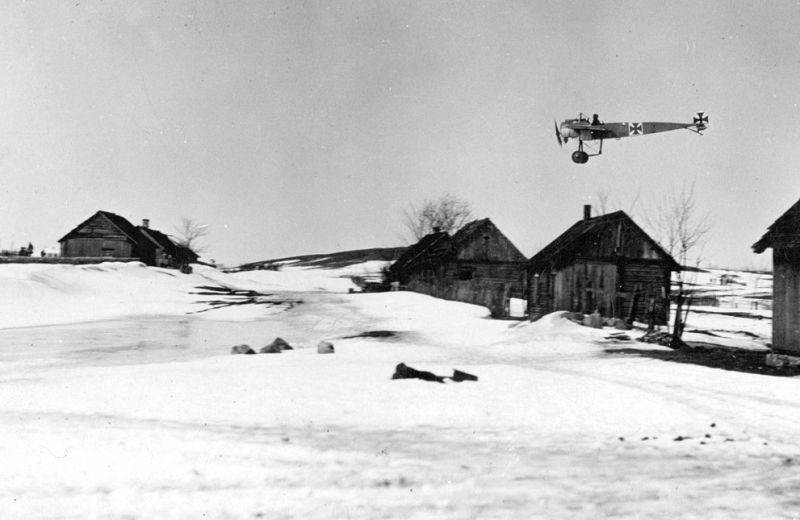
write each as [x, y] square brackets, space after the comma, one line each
[466, 273]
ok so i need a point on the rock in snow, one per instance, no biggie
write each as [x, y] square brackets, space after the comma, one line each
[242, 349]
[276, 347]
[403, 371]
[325, 347]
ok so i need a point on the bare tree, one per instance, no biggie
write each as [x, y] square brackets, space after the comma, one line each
[446, 213]
[189, 233]
[605, 204]
[681, 231]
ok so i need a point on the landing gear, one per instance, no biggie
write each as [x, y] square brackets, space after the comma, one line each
[580, 157]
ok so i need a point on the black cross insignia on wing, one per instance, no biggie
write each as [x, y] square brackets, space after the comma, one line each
[635, 129]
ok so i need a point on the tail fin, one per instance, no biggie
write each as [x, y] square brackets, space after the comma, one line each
[701, 121]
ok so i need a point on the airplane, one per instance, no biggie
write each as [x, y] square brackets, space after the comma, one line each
[584, 130]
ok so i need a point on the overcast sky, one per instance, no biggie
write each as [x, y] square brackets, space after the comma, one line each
[307, 127]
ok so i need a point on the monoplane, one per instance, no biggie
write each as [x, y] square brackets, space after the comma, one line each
[583, 130]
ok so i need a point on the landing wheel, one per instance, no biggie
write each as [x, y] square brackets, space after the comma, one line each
[580, 157]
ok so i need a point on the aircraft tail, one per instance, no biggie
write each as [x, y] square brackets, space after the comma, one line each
[700, 121]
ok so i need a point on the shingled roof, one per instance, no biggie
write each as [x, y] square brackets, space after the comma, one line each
[119, 222]
[784, 231]
[465, 235]
[431, 245]
[158, 238]
[565, 245]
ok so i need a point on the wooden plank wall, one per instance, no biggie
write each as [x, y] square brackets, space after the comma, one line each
[586, 287]
[97, 247]
[98, 238]
[786, 301]
[493, 248]
[491, 285]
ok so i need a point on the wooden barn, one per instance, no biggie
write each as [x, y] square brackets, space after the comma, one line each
[477, 264]
[606, 264]
[783, 236]
[110, 236]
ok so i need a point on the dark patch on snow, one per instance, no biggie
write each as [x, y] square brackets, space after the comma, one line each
[726, 358]
[403, 371]
[733, 314]
[374, 334]
[702, 331]
[231, 297]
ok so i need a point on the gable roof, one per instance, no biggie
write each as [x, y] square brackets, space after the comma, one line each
[158, 238]
[785, 230]
[432, 245]
[119, 222]
[171, 247]
[436, 246]
[183, 252]
[564, 245]
[466, 234]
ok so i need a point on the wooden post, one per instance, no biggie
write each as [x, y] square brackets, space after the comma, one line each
[677, 329]
[634, 304]
[651, 315]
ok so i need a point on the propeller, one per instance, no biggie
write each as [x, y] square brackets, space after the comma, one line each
[558, 134]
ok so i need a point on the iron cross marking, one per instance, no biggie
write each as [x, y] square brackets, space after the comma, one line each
[635, 129]
[701, 119]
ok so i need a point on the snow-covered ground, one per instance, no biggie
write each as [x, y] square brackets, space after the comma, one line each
[728, 307]
[119, 399]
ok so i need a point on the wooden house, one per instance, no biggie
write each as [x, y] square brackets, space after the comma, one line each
[606, 264]
[783, 236]
[477, 264]
[110, 236]
[103, 235]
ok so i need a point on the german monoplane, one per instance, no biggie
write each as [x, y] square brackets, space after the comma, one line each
[583, 130]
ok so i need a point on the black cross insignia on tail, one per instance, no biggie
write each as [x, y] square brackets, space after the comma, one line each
[635, 129]
[701, 119]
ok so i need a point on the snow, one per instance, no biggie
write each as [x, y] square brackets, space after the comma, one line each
[118, 399]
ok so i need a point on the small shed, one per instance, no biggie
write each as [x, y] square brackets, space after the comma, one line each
[606, 264]
[478, 264]
[783, 236]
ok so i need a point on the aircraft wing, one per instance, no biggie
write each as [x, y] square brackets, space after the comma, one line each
[605, 131]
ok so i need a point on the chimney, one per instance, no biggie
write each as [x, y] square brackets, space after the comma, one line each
[587, 211]
[436, 229]
[146, 223]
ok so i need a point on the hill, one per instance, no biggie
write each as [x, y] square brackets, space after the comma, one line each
[329, 260]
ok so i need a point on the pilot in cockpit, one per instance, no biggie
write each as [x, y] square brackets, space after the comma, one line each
[596, 120]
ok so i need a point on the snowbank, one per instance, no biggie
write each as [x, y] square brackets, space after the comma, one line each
[47, 294]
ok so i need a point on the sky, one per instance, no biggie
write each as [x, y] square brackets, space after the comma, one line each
[308, 127]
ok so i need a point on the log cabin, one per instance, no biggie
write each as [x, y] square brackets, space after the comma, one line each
[783, 236]
[478, 264]
[606, 264]
[106, 235]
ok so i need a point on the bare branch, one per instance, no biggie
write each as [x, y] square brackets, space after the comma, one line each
[189, 233]
[606, 204]
[676, 224]
[447, 213]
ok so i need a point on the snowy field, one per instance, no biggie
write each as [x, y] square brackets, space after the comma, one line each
[119, 399]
